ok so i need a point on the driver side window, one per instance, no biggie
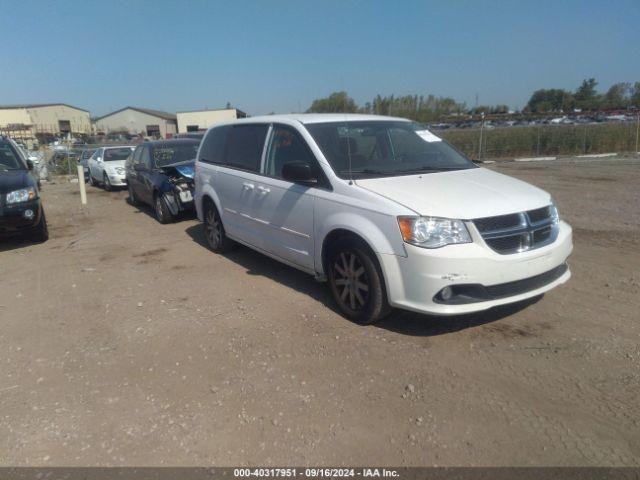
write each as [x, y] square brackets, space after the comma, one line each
[145, 158]
[136, 156]
[286, 146]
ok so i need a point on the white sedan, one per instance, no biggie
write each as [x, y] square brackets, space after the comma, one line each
[106, 166]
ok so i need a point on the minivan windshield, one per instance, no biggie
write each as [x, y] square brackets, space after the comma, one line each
[364, 149]
[9, 159]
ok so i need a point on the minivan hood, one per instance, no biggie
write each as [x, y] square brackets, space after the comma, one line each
[462, 194]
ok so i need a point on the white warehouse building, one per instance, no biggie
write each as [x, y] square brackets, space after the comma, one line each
[135, 120]
[25, 121]
[199, 120]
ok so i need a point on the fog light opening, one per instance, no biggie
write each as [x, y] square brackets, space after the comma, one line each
[28, 214]
[446, 293]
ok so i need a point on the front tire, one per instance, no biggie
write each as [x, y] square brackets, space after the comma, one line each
[106, 183]
[163, 215]
[356, 283]
[132, 196]
[41, 231]
[92, 182]
[214, 232]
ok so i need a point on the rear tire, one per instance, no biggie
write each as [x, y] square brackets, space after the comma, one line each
[356, 282]
[163, 215]
[214, 232]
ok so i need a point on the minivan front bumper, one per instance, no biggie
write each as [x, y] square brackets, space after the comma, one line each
[478, 277]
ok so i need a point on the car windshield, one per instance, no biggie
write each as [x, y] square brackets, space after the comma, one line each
[87, 154]
[384, 148]
[170, 154]
[113, 154]
[9, 158]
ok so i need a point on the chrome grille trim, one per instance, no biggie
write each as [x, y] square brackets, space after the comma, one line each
[536, 228]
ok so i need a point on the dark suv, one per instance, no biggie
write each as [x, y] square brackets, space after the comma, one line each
[21, 209]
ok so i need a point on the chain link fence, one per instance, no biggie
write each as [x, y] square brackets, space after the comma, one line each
[544, 140]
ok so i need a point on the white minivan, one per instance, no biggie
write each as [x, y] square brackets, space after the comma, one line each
[382, 209]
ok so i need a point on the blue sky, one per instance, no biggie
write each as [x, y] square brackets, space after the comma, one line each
[279, 55]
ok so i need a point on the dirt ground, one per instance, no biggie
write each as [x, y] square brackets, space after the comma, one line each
[127, 342]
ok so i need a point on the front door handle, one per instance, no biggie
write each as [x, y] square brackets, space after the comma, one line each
[248, 186]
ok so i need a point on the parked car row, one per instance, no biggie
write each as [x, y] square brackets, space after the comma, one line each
[384, 211]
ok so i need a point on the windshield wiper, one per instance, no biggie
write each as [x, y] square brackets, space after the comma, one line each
[369, 171]
[430, 169]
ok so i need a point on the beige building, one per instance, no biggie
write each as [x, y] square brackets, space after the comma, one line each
[134, 120]
[199, 120]
[25, 121]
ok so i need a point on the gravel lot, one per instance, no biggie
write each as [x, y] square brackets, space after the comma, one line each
[126, 342]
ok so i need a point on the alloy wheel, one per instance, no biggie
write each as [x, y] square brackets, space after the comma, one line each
[159, 210]
[213, 230]
[351, 281]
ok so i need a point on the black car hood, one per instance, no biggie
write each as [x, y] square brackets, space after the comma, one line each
[14, 180]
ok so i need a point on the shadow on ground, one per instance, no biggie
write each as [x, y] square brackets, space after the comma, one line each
[403, 322]
[16, 242]
[150, 212]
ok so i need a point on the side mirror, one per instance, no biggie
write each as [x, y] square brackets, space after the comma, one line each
[29, 164]
[298, 172]
[98, 159]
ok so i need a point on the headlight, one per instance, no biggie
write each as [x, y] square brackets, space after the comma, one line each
[23, 195]
[433, 232]
[553, 212]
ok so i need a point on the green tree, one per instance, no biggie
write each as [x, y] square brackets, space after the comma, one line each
[586, 96]
[550, 100]
[337, 102]
[618, 96]
[634, 99]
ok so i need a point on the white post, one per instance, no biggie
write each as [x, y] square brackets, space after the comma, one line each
[637, 131]
[83, 190]
[480, 146]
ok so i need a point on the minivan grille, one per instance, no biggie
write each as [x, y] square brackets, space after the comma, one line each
[519, 232]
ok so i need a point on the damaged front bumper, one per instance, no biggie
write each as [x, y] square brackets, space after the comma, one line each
[179, 198]
[178, 188]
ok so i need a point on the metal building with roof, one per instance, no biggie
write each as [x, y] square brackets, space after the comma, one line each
[199, 120]
[27, 120]
[135, 120]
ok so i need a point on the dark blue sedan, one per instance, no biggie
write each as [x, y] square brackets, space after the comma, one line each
[161, 174]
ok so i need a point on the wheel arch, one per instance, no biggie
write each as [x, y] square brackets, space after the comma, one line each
[339, 235]
[208, 195]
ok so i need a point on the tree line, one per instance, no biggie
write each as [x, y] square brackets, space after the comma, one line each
[430, 108]
[619, 96]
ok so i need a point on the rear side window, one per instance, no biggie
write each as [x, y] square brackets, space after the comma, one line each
[244, 148]
[214, 144]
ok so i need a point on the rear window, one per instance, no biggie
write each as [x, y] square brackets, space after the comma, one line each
[114, 154]
[170, 154]
[244, 147]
